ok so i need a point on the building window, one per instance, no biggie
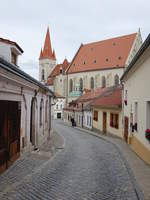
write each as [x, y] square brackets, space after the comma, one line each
[92, 83]
[136, 116]
[70, 85]
[43, 75]
[81, 84]
[61, 71]
[60, 106]
[114, 120]
[87, 120]
[57, 106]
[116, 79]
[90, 121]
[60, 80]
[95, 115]
[103, 81]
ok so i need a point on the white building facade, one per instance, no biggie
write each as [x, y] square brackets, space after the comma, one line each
[136, 104]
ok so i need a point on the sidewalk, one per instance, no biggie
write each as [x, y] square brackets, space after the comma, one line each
[139, 168]
[29, 163]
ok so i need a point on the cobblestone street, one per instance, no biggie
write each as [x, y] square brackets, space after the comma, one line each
[88, 168]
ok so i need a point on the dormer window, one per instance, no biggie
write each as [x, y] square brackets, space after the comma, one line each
[13, 58]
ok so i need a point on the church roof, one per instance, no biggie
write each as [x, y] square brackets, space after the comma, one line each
[56, 71]
[105, 54]
[47, 50]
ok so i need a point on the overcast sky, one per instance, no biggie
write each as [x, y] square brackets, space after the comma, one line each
[71, 23]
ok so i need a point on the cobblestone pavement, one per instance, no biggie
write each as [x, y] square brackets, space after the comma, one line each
[88, 168]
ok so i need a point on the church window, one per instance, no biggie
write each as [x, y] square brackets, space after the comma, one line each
[81, 84]
[70, 85]
[92, 83]
[116, 79]
[43, 75]
[103, 81]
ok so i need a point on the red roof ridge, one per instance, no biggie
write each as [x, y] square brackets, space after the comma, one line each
[117, 37]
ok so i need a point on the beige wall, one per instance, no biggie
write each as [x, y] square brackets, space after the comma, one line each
[137, 86]
[99, 124]
[60, 85]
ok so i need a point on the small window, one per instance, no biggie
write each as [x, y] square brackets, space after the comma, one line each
[43, 75]
[84, 63]
[60, 71]
[116, 80]
[107, 59]
[60, 80]
[119, 57]
[114, 120]
[74, 64]
[114, 44]
[103, 81]
[94, 61]
[95, 115]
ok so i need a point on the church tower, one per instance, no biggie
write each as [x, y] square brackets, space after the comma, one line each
[47, 59]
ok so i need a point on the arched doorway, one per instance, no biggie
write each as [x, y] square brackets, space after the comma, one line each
[33, 121]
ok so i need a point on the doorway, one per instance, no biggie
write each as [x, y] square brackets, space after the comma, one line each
[58, 115]
[9, 133]
[126, 127]
[104, 122]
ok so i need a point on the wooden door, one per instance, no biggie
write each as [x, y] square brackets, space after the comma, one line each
[9, 133]
[126, 127]
[104, 122]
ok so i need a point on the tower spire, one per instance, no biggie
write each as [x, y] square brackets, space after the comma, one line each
[47, 50]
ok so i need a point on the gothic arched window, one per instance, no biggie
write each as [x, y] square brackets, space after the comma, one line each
[81, 84]
[103, 81]
[92, 83]
[43, 75]
[116, 79]
[70, 85]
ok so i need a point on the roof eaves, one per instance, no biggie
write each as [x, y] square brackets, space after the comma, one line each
[13, 69]
[144, 46]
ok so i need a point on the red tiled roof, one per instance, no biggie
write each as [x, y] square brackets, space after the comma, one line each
[12, 43]
[56, 70]
[47, 50]
[110, 97]
[106, 54]
[91, 94]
